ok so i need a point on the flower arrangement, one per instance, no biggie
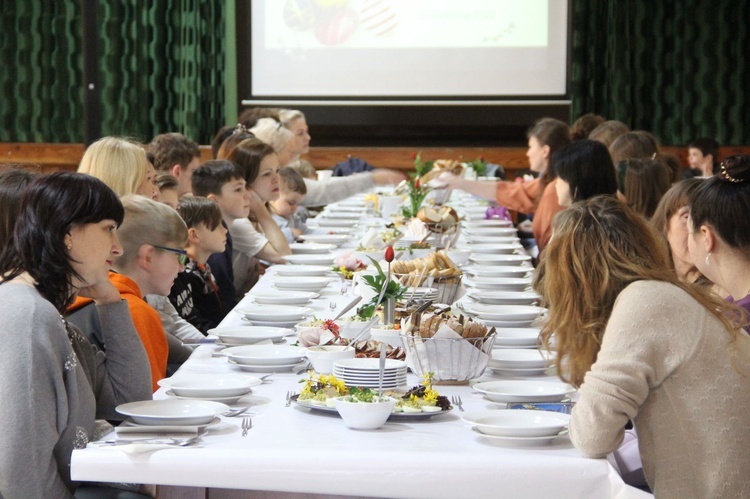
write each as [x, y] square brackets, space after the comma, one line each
[347, 264]
[381, 284]
[479, 165]
[417, 191]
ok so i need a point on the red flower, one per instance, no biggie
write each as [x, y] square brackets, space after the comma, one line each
[413, 156]
[389, 254]
[416, 183]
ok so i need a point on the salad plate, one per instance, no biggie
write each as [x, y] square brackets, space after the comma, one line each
[500, 283]
[282, 324]
[489, 228]
[395, 416]
[499, 270]
[291, 270]
[334, 222]
[507, 312]
[492, 240]
[209, 385]
[253, 368]
[274, 312]
[265, 355]
[517, 337]
[504, 297]
[301, 283]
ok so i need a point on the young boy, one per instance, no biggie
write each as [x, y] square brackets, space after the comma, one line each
[286, 210]
[153, 236]
[223, 182]
[177, 155]
[168, 190]
[195, 294]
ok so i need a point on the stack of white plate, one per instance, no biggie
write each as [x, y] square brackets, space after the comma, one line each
[500, 283]
[516, 337]
[313, 284]
[333, 222]
[264, 358]
[523, 391]
[474, 223]
[422, 294]
[518, 362]
[490, 259]
[347, 214]
[302, 270]
[476, 239]
[519, 427]
[274, 315]
[271, 297]
[337, 239]
[481, 228]
[321, 259]
[249, 335]
[495, 249]
[364, 372]
[225, 388]
[491, 297]
[311, 248]
[502, 315]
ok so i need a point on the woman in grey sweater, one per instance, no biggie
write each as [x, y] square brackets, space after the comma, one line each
[56, 384]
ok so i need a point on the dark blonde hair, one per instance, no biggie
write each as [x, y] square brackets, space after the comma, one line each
[607, 132]
[633, 145]
[598, 248]
[196, 210]
[584, 125]
[554, 134]
[643, 182]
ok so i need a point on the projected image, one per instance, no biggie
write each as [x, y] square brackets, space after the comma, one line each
[313, 24]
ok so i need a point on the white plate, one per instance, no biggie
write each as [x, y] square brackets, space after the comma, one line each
[224, 400]
[172, 412]
[487, 259]
[518, 372]
[507, 312]
[247, 335]
[203, 387]
[334, 222]
[271, 297]
[311, 248]
[517, 337]
[499, 270]
[500, 283]
[265, 355]
[472, 240]
[300, 283]
[504, 297]
[128, 426]
[350, 214]
[368, 364]
[302, 270]
[281, 324]
[518, 441]
[518, 423]
[510, 391]
[510, 358]
[252, 368]
[275, 313]
[487, 222]
[495, 249]
[482, 228]
[336, 239]
[323, 259]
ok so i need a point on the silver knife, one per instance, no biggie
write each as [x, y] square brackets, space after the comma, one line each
[381, 371]
[348, 307]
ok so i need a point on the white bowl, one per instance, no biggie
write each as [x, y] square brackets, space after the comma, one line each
[518, 337]
[489, 259]
[495, 249]
[350, 329]
[504, 297]
[518, 423]
[323, 259]
[248, 335]
[300, 283]
[311, 248]
[323, 357]
[511, 391]
[459, 256]
[365, 416]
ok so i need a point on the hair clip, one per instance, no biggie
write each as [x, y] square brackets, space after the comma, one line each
[727, 176]
[240, 129]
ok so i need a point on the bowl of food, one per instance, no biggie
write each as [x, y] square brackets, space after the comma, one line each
[389, 336]
[351, 327]
[322, 357]
[362, 409]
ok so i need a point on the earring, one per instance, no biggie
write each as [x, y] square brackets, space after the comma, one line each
[708, 257]
[69, 246]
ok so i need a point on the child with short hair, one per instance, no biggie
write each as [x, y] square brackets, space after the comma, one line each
[292, 190]
[195, 294]
[178, 155]
[168, 189]
[223, 182]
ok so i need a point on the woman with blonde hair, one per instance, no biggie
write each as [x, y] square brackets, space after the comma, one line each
[641, 345]
[122, 165]
[277, 136]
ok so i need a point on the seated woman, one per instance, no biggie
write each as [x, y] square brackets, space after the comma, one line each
[719, 240]
[643, 346]
[122, 165]
[537, 197]
[642, 183]
[671, 220]
[584, 169]
[57, 384]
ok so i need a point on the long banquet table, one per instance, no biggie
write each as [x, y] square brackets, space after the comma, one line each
[294, 450]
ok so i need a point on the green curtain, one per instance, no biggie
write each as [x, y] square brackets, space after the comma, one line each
[676, 68]
[161, 69]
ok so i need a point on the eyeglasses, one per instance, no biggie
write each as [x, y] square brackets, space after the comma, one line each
[182, 256]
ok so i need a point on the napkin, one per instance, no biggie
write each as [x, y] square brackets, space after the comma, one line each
[372, 239]
[449, 360]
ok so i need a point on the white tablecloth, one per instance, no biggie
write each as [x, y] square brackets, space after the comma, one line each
[292, 449]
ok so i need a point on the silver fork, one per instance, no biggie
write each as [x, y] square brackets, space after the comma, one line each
[179, 442]
[247, 423]
[289, 398]
[456, 400]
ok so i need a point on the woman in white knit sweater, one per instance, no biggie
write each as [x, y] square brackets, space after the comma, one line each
[643, 346]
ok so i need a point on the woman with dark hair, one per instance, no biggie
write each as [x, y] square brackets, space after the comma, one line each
[537, 196]
[584, 170]
[646, 347]
[719, 240]
[63, 245]
[13, 181]
[642, 183]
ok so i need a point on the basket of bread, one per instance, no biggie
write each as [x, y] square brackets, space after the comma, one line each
[455, 349]
[435, 271]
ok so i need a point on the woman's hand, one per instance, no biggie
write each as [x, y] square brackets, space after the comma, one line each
[256, 203]
[102, 293]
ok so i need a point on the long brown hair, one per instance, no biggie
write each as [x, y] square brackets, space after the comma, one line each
[554, 134]
[598, 248]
